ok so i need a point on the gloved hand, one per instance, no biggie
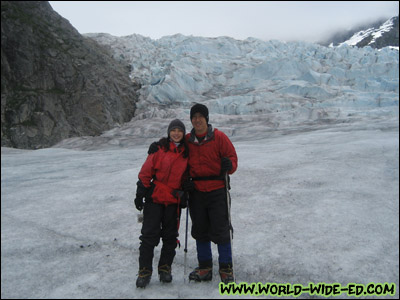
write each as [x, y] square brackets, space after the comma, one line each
[188, 186]
[139, 203]
[141, 192]
[153, 148]
[226, 165]
[182, 198]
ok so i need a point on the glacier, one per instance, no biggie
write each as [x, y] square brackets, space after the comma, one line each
[270, 85]
[316, 206]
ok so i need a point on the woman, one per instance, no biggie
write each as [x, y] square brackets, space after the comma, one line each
[160, 183]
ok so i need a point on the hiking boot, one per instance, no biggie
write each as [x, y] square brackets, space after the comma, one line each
[201, 274]
[226, 274]
[164, 273]
[144, 277]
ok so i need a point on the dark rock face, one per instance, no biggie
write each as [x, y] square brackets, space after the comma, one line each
[55, 83]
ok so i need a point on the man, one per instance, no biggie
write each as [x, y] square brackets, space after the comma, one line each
[211, 155]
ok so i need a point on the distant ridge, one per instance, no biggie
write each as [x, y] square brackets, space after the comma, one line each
[379, 34]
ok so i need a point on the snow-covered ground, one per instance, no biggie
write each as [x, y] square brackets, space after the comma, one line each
[312, 206]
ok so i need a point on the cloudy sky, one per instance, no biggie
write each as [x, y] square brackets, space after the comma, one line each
[284, 20]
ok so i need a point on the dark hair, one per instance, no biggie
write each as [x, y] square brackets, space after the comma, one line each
[164, 143]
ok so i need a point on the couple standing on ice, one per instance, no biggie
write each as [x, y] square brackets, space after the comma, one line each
[186, 169]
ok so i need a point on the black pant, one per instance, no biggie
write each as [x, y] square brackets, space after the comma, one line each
[209, 214]
[159, 221]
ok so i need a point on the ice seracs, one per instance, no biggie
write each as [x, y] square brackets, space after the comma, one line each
[286, 84]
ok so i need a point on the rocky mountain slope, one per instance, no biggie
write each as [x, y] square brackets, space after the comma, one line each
[55, 83]
[377, 35]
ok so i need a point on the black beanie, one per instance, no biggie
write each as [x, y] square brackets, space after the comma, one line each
[199, 108]
[176, 124]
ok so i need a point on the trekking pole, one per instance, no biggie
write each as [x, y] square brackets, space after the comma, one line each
[185, 250]
[228, 202]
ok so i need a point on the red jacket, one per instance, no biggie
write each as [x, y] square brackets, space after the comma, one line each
[168, 168]
[205, 158]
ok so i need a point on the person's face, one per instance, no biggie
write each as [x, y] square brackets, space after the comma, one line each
[176, 135]
[199, 123]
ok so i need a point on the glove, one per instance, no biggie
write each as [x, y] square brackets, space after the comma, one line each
[141, 192]
[182, 197]
[153, 148]
[226, 165]
[188, 186]
[139, 203]
[184, 200]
